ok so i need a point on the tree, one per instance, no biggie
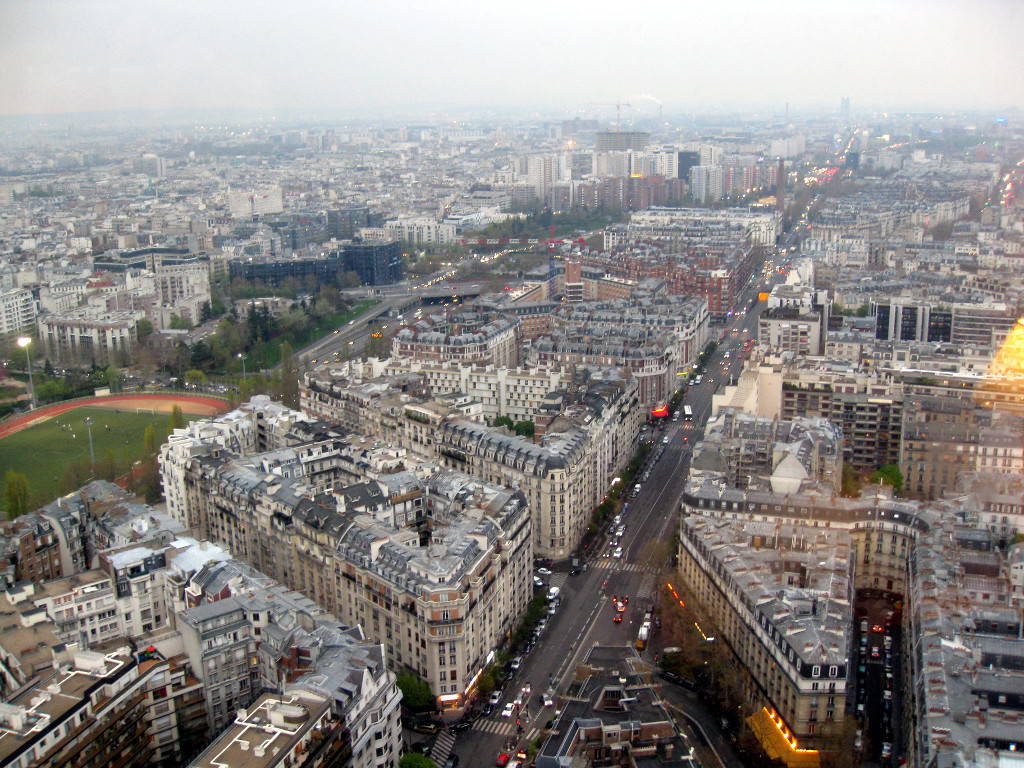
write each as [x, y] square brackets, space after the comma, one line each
[149, 440]
[177, 418]
[349, 279]
[143, 328]
[485, 686]
[16, 493]
[149, 481]
[416, 693]
[75, 475]
[113, 376]
[106, 467]
[524, 428]
[889, 474]
[178, 323]
[416, 760]
[852, 482]
[195, 377]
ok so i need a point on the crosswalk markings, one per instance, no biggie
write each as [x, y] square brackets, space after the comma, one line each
[494, 726]
[624, 567]
[502, 728]
[442, 746]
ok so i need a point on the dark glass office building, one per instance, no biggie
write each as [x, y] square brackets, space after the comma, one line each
[377, 262]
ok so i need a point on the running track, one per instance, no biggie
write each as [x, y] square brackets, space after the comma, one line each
[207, 405]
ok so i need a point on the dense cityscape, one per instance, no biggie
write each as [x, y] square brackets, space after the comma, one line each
[609, 434]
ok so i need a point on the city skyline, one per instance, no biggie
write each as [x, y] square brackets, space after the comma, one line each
[389, 59]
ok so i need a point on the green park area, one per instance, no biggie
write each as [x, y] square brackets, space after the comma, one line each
[54, 456]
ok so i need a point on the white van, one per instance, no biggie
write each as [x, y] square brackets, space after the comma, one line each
[553, 593]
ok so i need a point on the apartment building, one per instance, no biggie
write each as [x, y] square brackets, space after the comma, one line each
[29, 550]
[29, 647]
[583, 438]
[943, 438]
[423, 560]
[17, 311]
[761, 228]
[882, 530]
[137, 571]
[751, 452]
[258, 425]
[299, 649]
[91, 712]
[468, 338]
[787, 329]
[83, 607]
[781, 598]
[181, 290]
[996, 503]
[353, 676]
[277, 730]
[220, 646]
[964, 652]
[86, 337]
[518, 393]
[650, 337]
[419, 230]
[563, 476]
[441, 603]
[867, 409]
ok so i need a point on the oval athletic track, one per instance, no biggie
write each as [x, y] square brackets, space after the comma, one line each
[203, 405]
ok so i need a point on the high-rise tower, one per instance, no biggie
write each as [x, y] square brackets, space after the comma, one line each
[780, 188]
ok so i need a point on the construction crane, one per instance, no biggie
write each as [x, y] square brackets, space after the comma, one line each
[618, 111]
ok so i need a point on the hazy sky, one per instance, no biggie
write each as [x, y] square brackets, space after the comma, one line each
[387, 55]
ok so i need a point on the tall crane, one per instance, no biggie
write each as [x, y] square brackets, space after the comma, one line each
[618, 111]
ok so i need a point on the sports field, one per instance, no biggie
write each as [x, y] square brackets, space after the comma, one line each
[43, 450]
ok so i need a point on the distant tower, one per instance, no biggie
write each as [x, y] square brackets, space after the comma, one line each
[780, 188]
[844, 106]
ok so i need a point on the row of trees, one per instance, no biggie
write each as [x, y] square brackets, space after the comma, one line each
[538, 223]
[253, 331]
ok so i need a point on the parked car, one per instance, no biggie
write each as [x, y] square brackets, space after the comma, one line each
[516, 663]
[544, 571]
[495, 698]
[426, 727]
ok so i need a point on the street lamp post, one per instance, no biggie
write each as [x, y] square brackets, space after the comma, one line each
[242, 358]
[92, 454]
[23, 342]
